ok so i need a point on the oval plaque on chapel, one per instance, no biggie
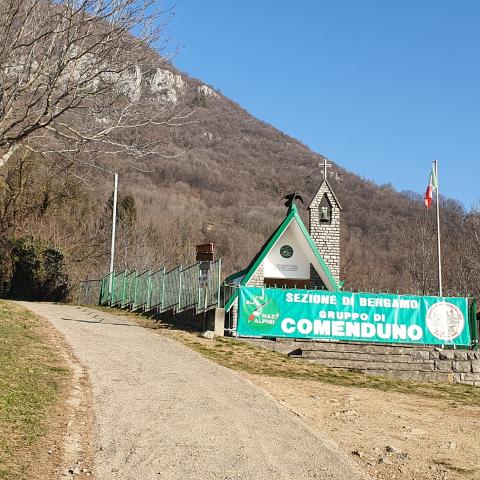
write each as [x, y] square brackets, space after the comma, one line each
[286, 251]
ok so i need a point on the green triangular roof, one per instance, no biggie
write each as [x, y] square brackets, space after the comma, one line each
[292, 215]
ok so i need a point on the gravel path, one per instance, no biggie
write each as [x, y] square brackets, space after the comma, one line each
[164, 412]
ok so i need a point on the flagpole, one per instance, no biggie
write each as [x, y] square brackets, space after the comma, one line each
[440, 292]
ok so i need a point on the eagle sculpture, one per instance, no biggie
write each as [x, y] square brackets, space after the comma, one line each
[291, 197]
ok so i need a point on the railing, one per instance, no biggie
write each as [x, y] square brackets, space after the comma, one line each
[172, 289]
[190, 287]
[212, 290]
[178, 289]
[115, 297]
[128, 289]
[156, 289]
[141, 290]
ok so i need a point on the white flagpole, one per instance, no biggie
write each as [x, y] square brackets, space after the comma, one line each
[440, 292]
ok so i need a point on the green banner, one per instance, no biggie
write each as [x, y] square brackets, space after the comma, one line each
[366, 317]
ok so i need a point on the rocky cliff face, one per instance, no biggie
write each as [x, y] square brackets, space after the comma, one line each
[165, 86]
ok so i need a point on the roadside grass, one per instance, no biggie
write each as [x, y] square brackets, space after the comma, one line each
[32, 374]
[243, 356]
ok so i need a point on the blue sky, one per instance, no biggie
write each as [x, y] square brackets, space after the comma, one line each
[380, 87]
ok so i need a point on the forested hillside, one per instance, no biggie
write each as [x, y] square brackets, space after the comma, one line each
[219, 176]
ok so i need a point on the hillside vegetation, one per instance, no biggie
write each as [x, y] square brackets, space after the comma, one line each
[219, 177]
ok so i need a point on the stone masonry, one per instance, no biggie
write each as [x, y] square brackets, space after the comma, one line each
[420, 363]
[326, 235]
[257, 279]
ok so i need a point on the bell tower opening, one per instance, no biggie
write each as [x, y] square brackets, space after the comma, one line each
[325, 210]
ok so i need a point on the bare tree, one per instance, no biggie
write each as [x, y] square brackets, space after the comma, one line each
[418, 240]
[462, 257]
[71, 77]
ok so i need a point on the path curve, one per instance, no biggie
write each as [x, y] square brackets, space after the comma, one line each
[165, 412]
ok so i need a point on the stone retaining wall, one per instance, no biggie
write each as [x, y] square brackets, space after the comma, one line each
[213, 320]
[409, 362]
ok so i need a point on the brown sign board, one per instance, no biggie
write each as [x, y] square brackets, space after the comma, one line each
[204, 252]
[204, 248]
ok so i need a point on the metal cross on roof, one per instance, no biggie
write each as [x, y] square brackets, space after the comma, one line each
[324, 165]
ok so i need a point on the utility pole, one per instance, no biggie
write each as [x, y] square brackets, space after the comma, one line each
[440, 290]
[114, 224]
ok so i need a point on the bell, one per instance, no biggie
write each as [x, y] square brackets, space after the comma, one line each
[324, 214]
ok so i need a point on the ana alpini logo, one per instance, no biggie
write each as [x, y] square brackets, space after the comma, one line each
[261, 312]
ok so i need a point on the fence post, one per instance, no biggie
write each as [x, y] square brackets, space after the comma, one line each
[135, 291]
[219, 281]
[124, 286]
[474, 324]
[100, 293]
[197, 306]
[149, 291]
[163, 290]
[113, 298]
[133, 282]
[180, 275]
[110, 296]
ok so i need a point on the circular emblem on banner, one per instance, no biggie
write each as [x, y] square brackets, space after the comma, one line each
[286, 251]
[445, 321]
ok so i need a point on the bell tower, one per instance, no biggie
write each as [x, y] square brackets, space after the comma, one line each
[324, 223]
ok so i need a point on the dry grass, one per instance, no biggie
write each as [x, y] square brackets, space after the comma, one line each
[242, 356]
[32, 375]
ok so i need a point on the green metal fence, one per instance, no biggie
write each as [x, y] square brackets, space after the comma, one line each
[190, 287]
[141, 292]
[156, 289]
[128, 289]
[115, 297]
[178, 289]
[213, 286]
[105, 289]
[171, 289]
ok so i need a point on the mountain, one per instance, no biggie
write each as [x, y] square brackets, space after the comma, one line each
[221, 179]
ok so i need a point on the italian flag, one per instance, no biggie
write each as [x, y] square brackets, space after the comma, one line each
[432, 185]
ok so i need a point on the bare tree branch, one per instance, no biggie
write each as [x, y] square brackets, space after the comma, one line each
[72, 75]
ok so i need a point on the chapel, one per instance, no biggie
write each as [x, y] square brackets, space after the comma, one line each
[294, 256]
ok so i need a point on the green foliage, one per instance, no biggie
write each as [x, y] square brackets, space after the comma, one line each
[26, 269]
[38, 271]
[54, 285]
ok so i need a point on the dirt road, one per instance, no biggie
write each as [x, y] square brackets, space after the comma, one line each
[164, 412]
